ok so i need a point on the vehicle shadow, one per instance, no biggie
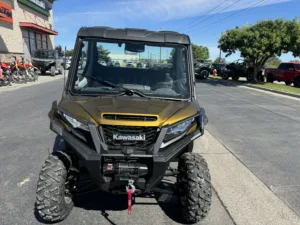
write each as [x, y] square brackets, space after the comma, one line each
[171, 207]
[221, 82]
[105, 202]
[102, 202]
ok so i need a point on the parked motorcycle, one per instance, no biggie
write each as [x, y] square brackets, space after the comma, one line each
[22, 72]
[5, 74]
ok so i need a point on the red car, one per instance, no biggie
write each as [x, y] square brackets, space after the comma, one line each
[287, 72]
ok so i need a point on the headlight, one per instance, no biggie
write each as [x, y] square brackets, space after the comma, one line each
[177, 130]
[75, 123]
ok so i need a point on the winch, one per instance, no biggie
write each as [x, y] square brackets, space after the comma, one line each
[125, 170]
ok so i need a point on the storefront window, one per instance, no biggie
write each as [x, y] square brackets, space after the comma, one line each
[38, 41]
[25, 33]
[35, 40]
[44, 40]
[31, 34]
[32, 42]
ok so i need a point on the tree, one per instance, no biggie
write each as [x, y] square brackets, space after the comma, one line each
[170, 59]
[217, 60]
[60, 51]
[293, 27]
[69, 53]
[172, 52]
[273, 62]
[259, 42]
[200, 52]
[103, 54]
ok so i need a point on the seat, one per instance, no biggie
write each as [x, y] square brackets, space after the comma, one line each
[121, 75]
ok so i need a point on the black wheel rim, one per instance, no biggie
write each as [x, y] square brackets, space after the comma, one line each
[249, 77]
[204, 74]
[68, 196]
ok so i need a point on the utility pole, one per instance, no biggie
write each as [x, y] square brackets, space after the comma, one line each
[220, 51]
[160, 50]
[65, 63]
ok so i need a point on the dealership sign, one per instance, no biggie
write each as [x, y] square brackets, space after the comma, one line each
[39, 3]
[6, 13]
[41, 6]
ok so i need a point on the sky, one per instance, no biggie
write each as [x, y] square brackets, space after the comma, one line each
[203, 20]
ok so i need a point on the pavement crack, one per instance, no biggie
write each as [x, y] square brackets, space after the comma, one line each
[224, 206]
[216, 153]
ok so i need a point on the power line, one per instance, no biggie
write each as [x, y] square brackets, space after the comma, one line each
[215, 13]
[187, 25]
[249, 7]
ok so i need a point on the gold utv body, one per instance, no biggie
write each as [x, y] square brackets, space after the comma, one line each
[106, 111]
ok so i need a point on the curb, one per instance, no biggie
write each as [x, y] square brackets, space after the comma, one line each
[246, 198]
[254, 87]
[274, 91]
[23, 85]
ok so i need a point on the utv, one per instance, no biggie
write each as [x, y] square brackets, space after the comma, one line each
[202, 68]
[45, 59]
[124, 126]
[241, 68]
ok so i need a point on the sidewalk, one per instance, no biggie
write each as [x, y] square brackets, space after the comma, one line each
[42, 79]
[247, 199]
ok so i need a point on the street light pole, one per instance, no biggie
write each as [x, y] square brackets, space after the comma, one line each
[160, 50]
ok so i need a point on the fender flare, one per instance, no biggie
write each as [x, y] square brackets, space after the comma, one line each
[204, 68]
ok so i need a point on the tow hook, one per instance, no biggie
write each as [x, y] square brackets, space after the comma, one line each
[130, 189]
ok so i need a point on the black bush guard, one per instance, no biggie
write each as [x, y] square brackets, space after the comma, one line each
[91, 158]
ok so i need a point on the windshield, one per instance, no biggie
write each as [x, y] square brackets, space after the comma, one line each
[44, 54]
[150, 69]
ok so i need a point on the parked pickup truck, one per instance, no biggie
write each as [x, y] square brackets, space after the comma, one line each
[287, 72]
[202, 68]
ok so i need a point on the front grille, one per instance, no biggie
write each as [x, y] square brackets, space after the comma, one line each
[129, 117]
[150, 134]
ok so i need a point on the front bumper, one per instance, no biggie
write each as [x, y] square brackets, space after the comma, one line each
[43, 66]
[93, 158]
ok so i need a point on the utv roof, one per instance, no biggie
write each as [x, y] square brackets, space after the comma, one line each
[134, 34]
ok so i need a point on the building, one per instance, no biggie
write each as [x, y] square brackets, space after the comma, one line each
[25, 25]
[123, 57]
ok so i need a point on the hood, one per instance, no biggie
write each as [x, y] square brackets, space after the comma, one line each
[167, 112]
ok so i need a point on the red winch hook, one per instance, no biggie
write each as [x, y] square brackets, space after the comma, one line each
[130, 189]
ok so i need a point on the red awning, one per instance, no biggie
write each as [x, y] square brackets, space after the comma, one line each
[39, 28]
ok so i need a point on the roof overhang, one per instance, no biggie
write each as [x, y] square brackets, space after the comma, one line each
[38, 28]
